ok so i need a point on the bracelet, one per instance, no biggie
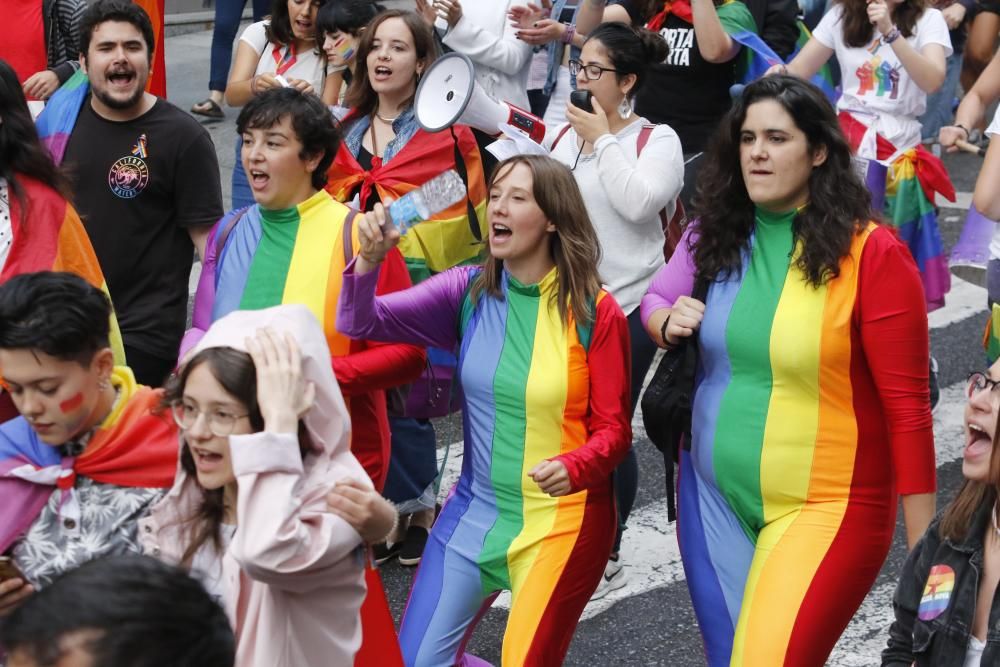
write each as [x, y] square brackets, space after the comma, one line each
[964, 129]
[663, 333]
[567, 37]
[395, 523]
[892, 36]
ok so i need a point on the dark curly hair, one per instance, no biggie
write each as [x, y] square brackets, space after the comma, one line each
[858, 30]
[839, 202]
[310, 119]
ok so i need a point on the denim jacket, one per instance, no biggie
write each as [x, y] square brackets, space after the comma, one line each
[405, 126]
[935, 601]
[555, 49]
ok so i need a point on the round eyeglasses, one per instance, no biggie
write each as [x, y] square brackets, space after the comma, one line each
[220, 422]
[978, 382]
[591, 71]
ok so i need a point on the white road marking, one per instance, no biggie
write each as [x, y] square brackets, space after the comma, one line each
[964, 300]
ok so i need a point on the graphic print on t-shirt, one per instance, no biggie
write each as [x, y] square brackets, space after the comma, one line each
[129, 175]
[876, 76]
[680, 40]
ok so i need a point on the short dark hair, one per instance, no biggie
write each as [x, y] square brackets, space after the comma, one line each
[140, 611]
[312, 121]
[123, 11]
[350, 16]
[60, 314]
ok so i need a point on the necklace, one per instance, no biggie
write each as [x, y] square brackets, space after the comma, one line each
[390, 121]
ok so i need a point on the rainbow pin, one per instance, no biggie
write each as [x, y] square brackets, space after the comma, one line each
[139, 149]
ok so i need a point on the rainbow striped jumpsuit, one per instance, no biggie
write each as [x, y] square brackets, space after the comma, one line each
[535, 389]
[811, 413]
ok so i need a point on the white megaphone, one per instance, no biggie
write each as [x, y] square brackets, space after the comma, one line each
[448, 94]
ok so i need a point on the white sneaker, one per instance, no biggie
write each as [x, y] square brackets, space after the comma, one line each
[613, 579]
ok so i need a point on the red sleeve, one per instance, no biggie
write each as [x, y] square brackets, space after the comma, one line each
[610, 426]
[893, 325]
[382, 365]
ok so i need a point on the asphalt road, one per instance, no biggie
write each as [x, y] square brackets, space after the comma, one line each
[650, 622]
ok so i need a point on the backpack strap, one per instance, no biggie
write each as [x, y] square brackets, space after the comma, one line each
[643, 138]
[220, 240]
[673, 226]
[562, 132]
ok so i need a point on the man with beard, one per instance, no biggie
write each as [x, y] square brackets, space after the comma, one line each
[145, 179]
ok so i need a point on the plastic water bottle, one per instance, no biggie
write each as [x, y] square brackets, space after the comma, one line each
[437, 194]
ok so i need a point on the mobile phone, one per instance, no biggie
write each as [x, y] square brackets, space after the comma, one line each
[582, 100]
[8, 570]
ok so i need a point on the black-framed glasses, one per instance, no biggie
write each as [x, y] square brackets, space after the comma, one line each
[220, 422]
[593, 72]
[978, 382]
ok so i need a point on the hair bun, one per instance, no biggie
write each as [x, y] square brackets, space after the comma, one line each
[654, 45]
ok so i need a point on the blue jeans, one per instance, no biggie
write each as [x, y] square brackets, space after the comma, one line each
[242, 194]
[940, 110]
[228, 14]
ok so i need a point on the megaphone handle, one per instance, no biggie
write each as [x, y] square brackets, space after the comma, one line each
[970, 148]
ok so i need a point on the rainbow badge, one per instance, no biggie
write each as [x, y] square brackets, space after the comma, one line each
[937, 592]
[139, 149]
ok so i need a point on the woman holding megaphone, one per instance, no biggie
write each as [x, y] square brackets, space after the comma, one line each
[543, 359]
[630, 173]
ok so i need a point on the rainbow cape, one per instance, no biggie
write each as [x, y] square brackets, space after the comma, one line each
[756, 57]
[57, 120]
[57, 241]
[991, 337]
[444, 241]
[134, 447]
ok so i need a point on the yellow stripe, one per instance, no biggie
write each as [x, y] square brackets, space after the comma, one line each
[308, 271]
[545, 400]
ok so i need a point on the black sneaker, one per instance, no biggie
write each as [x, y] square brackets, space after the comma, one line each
[935, 391]
[413, 546]
[384, 552]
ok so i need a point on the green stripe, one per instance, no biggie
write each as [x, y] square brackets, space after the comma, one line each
[265, 285]
[509, 435]
[739, 435]
[909, 204]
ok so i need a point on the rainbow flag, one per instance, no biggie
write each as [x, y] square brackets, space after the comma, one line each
[135, 446]
[758, 57]
[157, 83]
[449, 238]
[991, 337]
[57, 241]
[55, 123]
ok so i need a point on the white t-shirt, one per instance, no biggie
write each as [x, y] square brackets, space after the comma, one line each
[994, 127]
[308, 66]
[874, 80]
[6, 233]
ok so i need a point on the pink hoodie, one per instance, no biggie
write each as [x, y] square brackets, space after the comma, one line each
[293, 574]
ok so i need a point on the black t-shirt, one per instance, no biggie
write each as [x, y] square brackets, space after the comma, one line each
[139, 185]
[633, 11]
[686, 92]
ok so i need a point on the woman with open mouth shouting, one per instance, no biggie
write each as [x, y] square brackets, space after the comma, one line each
[279, 51]
[543, 356]
[945, 602]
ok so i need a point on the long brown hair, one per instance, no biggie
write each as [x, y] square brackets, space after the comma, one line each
[574, 246]
[361, 97]
[858, 30]
[957, 516]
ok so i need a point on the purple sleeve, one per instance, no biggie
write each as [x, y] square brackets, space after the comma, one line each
[426, 314]
[673, 280]
[204, 295]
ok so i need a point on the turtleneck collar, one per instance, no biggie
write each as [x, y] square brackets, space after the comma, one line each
[768, 218]
[546, 285]
[294, 213]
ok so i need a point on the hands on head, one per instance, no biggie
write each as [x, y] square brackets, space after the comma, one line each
[283, 394]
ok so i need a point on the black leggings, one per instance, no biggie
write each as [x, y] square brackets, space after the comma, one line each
[627, 473]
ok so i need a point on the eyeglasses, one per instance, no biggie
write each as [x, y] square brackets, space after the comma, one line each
[593, 72]
[978, 382]
[220, 422]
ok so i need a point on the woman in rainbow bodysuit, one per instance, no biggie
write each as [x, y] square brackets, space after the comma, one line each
[811, 409]
[543, 358]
